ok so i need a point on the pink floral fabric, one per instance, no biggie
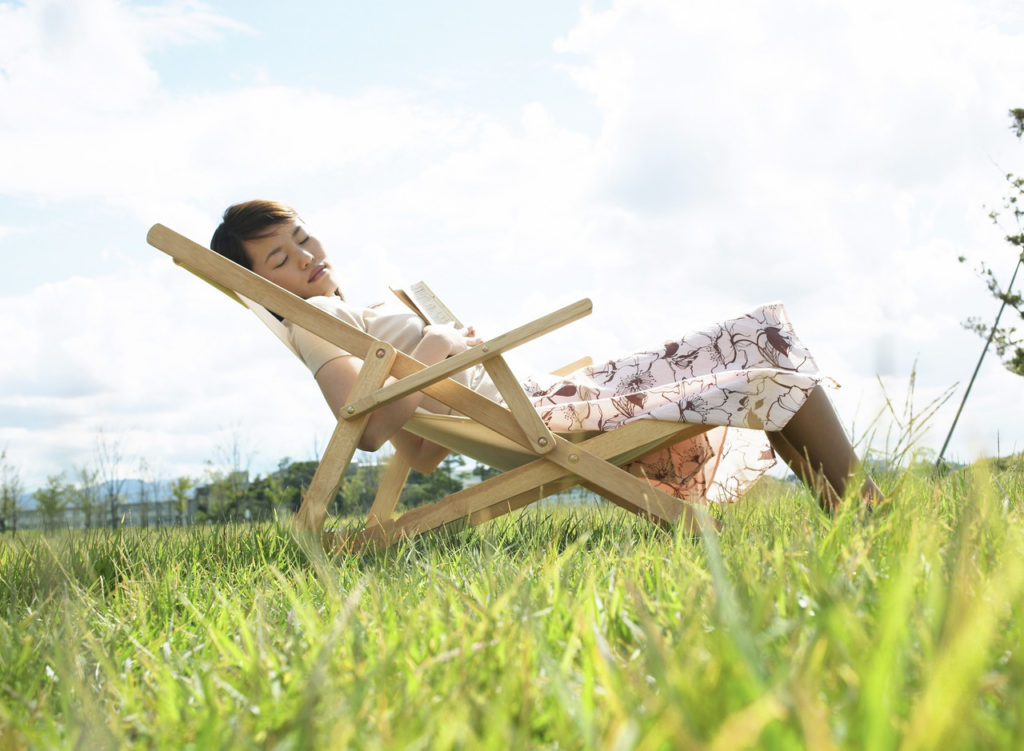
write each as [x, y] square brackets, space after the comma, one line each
[746, 375]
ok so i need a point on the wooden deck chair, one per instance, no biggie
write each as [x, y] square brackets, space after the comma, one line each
[535, 462]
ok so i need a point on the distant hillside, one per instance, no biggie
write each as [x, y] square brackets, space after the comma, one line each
[156, 490]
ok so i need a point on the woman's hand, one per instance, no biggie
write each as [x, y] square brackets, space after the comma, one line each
[456, 340]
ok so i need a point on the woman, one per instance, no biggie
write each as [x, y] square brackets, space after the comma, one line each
[749, 372]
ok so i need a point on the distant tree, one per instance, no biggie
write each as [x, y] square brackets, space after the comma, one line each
[358, 487]
[144, 493]
[221, 498]
[85, 495]
[282, 489]
[179, 492]
[446, 479]
[297, 476]
[484, 472]
[1017, 124]
[52, 499]
[452, 466]
[352, 489]
[226, 493]
[1005, 338]
[108, 466]
[277, 495]
[10, 491]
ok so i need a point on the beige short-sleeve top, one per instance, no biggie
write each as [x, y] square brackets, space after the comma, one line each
[400, 328]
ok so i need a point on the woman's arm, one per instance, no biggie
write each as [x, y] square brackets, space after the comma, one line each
[337, 377]
[422, 455]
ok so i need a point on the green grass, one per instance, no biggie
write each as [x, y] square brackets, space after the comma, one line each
[556, 628]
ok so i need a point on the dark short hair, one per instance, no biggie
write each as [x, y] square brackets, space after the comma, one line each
[248, 221]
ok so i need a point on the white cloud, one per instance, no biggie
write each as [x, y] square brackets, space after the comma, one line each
[80, 59]
[834, 156]
[154, 358]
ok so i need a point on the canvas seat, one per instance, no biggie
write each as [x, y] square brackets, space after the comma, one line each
[511, 436]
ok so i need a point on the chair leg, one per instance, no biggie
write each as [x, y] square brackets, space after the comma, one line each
[388, 490]
[329, 473]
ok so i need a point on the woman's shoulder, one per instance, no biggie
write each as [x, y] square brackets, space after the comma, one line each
[339, 308]
[330, 302]
[400, 327]
[311, 348]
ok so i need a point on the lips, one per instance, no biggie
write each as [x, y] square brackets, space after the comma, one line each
[318, 271]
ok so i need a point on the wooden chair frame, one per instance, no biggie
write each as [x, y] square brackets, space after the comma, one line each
[539, 462]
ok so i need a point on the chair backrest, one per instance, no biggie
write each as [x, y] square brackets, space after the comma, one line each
[269, 320]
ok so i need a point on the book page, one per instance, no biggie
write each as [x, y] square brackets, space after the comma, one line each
[433, 310]
[402, 295]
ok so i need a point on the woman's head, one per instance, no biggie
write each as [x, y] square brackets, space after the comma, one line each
[269, 238]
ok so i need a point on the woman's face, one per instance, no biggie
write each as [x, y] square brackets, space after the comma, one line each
[292, 258]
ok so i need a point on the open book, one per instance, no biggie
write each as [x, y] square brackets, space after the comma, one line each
[424, 303]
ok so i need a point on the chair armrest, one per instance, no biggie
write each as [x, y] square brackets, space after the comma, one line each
[480, 353]
[573, 366]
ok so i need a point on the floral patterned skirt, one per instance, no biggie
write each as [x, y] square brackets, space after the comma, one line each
[746, 375]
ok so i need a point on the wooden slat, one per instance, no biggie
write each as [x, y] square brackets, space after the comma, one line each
[216, 285]
[617, 484]
[468, 500]
[465, 436]
[389, 488]
[519, 404]
[515, 502]
[573, 366]
[634, 440]
[329, 473]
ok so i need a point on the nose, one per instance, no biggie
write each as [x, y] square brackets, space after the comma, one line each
[305, 258]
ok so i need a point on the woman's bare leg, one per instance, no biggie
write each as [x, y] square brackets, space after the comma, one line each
[816, 448]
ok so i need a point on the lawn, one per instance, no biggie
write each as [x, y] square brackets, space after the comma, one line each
[557, 628]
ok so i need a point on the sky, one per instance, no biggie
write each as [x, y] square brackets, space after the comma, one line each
[677, 162]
